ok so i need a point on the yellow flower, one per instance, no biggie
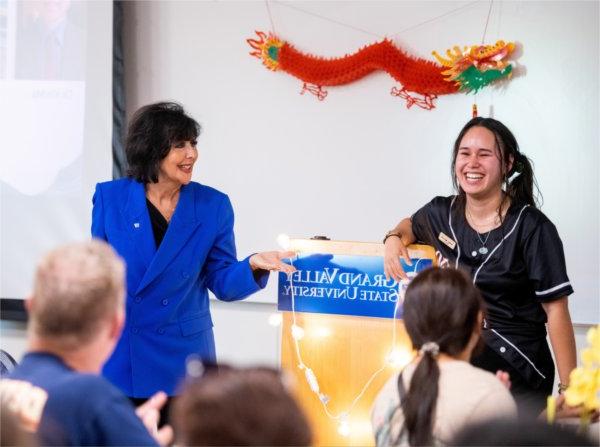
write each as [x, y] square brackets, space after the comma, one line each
[592, 354]
[584, 381]
[584, 387]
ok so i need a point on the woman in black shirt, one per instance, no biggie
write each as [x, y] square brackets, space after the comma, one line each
[493, 229]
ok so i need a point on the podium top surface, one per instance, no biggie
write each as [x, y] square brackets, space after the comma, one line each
[354, 248]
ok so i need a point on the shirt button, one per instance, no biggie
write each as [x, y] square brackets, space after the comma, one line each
[502, 349]
[138, 299]
[135, 330]
[160, 330]
[165, 302]
[185, 274]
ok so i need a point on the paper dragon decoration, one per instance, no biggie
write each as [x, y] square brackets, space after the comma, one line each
[462, 70]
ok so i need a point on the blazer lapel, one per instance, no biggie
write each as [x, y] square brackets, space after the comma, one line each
[138, 223]
[182, 226]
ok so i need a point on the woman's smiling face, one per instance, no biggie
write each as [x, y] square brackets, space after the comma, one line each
[478, 167]
[178, 165]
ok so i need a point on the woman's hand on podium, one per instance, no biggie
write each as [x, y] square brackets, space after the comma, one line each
[271, 260]
[394, 250]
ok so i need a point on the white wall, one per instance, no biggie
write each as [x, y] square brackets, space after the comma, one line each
[351, 166]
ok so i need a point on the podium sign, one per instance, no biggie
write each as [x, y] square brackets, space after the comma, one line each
[343, 307]
[343, 285]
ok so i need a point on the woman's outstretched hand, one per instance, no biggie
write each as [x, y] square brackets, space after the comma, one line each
[271, 260]
[394, 250]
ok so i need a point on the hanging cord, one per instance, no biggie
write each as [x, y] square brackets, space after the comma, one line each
[311, 378]
[328, 19]
[270, 17]
[371, 33]
[433, 19]
[487, 21]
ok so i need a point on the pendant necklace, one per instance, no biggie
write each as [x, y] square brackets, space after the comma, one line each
[483, 249]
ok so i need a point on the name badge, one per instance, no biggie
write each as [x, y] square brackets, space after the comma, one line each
[447, 240]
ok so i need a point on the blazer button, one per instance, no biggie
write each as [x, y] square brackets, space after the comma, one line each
[185, 274]
[165, 302]
[135, 330]
[138, 299]
[160, 330]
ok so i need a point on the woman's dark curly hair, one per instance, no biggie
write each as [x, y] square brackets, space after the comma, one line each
[153, 130]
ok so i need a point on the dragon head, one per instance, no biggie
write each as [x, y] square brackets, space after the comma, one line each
[472, 68]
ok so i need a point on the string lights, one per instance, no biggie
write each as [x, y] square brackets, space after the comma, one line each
[396, 358]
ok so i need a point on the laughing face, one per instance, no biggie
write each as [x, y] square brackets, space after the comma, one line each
[478, 166]
[177, 166]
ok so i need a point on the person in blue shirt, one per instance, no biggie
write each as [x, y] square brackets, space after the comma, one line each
[76, 314]
[176, 237]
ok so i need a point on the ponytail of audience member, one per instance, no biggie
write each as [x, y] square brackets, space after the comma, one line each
[439, 392]
[441, 310]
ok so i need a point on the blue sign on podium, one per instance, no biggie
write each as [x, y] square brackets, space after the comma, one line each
[343, 285]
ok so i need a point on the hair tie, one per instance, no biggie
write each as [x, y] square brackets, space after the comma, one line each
[430, 347]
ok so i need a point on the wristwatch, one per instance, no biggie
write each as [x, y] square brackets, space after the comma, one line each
[390, 234]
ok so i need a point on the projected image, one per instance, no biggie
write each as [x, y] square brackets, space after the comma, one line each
[50, 43]
[55, 123]
[43, 95]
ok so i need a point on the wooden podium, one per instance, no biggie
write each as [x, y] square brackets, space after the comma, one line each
[349, 356]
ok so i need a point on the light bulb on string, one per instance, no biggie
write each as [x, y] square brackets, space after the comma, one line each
[321, 332]
[297, 332]
[275, 319]
[194, 367]
[312, 381]
[344, 425]
[324, 398]
[283, 240]
[398, 358]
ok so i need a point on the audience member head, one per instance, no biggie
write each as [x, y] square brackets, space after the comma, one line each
[520, 433]
[442, 315]
[239, 406]
[153, 131]
[78, 299]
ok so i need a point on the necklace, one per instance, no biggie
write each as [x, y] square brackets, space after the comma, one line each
[483, 249]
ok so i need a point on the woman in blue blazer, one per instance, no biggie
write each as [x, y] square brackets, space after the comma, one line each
[176, 237]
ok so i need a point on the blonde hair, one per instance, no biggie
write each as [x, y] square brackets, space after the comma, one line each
[77, 288]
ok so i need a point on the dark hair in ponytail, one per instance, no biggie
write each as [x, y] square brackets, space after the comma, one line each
[522, 188]
[441, 306]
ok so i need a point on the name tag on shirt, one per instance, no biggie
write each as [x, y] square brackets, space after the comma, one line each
[447, 240]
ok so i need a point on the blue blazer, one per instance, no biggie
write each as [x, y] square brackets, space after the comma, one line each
[167, 308]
